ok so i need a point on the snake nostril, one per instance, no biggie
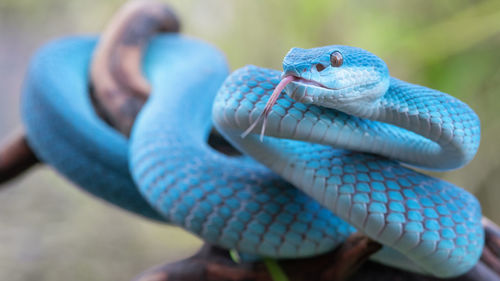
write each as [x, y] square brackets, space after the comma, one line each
[320, 67]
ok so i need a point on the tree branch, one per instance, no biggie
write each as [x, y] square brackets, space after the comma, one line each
[347, 262]
[15, 157]
[213, 263]
[118, 87]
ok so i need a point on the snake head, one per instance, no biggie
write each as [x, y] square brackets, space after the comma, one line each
[335, 76]
[345, 78]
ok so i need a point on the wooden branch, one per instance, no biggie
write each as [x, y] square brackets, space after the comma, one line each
[210, 263]
[213, 263]
[118, 88]
[347, 262]
[117, 85]
[350, 256]
[15, 157]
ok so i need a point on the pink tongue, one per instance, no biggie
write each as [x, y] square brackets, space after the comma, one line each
[267, 109]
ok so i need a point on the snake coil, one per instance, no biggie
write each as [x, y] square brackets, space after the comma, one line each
[426, 224]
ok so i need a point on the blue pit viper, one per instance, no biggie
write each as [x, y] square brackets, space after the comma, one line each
[336, 96]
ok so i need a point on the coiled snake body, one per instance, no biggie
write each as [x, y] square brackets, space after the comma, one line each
[426, 224]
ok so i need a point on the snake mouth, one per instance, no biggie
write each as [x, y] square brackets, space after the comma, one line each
[306, 82]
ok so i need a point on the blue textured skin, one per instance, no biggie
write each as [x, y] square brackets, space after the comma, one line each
[232, 202]
[65, 132]
[427, 225]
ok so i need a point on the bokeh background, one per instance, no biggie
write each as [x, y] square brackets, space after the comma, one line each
[49, 230]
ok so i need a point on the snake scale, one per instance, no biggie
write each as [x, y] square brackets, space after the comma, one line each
[327, 141]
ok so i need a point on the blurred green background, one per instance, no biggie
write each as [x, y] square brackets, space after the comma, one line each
[49, 230]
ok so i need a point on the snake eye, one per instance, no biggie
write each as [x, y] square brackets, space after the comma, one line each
[336, 59]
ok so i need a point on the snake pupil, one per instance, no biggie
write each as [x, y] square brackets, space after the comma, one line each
[336, 59]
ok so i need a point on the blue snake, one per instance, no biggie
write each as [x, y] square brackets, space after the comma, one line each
[331, 136]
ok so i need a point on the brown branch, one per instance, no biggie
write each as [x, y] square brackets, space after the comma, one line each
[347, 262]
[213, 263]
[350, 256]
[118, 87]
[15, 157]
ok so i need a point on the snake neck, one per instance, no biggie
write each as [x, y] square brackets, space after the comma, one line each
[411, 124]
[424, 127]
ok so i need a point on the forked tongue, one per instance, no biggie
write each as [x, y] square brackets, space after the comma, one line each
[267, 109]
